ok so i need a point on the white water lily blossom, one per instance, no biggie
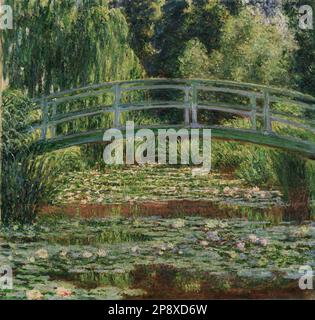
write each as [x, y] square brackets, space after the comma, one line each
[34, 295]
[102, 253]
[31, 259]
[42, 254]
[135, 249]
[204, 243]
[179, 223]
[63, 253]
[253, 238]
[87, 254]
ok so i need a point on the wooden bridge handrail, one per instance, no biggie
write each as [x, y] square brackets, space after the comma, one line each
[244, 85]
[257, 103]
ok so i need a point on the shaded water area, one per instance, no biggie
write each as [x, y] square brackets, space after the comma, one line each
[136, 257]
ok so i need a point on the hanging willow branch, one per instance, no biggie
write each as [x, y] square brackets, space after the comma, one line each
[62, 44]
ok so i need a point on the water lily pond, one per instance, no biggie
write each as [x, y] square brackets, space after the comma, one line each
[158, 183]
[153, 257]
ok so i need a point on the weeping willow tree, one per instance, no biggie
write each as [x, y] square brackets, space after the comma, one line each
[59, 44]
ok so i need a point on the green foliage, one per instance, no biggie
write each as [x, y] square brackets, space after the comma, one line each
[228, 156]
[25, 181]
[26, 184]
[256, 169]
[171, 36]
[194, 61]
[207, 19]
[311, 179]
[29, 181]
[57, 45]
[303, 68]
[252, 51]
[234, 6]
[182, 21]
[93, 155]
[66, 160]
[250, 163]
[292, 174]
[142, 17]
[17, 114]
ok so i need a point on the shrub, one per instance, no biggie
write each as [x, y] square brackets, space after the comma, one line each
[26, 184]
[292, 174]
[252, 51]
[70, 159]
[311, 179]
[228, 156]
[257, 168]
[25, 180]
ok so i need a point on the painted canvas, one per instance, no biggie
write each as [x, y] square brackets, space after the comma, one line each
[157, 149]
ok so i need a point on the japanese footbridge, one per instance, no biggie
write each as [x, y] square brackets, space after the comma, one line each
[269, 116]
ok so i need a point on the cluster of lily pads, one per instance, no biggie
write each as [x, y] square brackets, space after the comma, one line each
[143, 257]
[157, 183]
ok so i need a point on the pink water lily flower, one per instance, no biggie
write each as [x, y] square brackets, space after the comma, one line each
[263, 242]
[63, 292]
[240, 246]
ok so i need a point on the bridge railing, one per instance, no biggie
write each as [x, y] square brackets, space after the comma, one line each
[267, 109]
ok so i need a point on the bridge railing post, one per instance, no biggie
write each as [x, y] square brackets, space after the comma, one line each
[266, 113]
[187, 106]
[53, 128]
[253, 117]
[117, 92]
[45, 120]
[194, 106]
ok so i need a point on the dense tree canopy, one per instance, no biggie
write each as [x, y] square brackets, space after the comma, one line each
[194, 62]
[252, 51]
[160, 32]
[60, 45]
[303, 69]
[142, 16]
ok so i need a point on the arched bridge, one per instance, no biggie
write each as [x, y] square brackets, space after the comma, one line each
[256, 114]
